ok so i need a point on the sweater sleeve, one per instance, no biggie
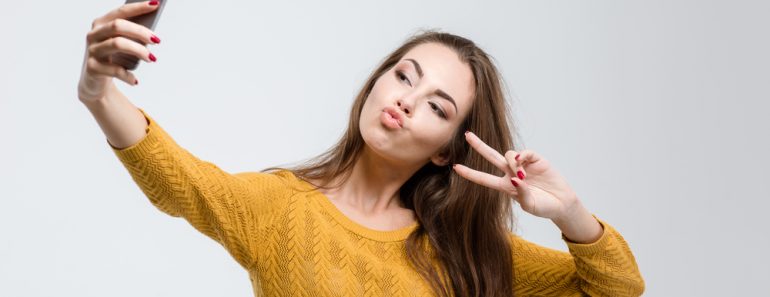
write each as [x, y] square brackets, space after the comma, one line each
[605, 267]
[229, 208]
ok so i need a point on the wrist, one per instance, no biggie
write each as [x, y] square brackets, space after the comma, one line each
[110, 93]
[572, 211]
[579, 225]
[572, 208]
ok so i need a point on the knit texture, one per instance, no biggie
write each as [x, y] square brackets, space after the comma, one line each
[293, 241]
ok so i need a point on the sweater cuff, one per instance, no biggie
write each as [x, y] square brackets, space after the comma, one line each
[584, 249]
[137, 151]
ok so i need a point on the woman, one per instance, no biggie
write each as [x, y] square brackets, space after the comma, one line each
[407, 203]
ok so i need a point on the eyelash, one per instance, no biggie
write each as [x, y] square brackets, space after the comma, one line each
[441, 113]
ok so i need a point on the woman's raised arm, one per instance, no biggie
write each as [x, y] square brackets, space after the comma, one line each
[232, 209]
[112, 33]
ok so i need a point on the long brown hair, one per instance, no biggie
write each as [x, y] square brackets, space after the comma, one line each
[463, 227]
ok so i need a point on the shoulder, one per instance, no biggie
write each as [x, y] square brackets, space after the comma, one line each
[274, 176]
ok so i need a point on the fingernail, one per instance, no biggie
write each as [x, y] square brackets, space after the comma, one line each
[517, 157]
[514, 183]
[155, 39]
[466, 132]
[152, 57]
[153, 2]
[136, 81]
[520, 174]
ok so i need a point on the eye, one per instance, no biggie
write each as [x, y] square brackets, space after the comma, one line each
[400, 75]
[434, 106]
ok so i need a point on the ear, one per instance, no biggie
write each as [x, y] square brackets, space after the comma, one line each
[440, 159]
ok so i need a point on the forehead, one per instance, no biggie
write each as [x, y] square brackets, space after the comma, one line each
[442, 67]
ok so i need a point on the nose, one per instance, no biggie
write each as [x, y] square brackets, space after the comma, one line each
[404, 106]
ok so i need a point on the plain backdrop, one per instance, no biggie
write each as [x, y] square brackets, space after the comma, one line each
[656, 113]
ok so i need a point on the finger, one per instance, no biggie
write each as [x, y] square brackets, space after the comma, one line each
[486, 179]
[487, 152]
[110, 46]
[127, 11]
[528, 157]
[524, 197]
[94, 66]
[514, 160]
[514, 163]
[121, 27]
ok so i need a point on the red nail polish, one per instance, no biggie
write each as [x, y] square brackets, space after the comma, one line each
[520, 174]
[153, 2]
[514, 183]
[152, 57]
[155, 39]
[517, 157]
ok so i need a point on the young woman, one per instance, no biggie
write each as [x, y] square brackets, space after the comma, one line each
[406, 203]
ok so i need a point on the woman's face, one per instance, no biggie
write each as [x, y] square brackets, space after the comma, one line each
[418, 88]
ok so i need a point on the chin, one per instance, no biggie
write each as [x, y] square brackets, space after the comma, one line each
[379, 141]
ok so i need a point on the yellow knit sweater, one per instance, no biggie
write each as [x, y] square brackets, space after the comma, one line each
[293, 241]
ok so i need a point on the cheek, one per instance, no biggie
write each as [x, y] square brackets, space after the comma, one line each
[376, 100]
[430, 138]
[386, 85]
[373, 105]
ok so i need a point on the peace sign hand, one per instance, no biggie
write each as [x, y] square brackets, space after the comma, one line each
[545, 193]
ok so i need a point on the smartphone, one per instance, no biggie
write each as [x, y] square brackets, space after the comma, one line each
[149, 20]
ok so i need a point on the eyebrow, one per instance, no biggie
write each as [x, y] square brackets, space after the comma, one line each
[439, 92]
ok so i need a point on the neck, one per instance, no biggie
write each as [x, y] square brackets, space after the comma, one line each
[372, 188]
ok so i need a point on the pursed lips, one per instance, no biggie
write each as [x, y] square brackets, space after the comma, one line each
[395, 114]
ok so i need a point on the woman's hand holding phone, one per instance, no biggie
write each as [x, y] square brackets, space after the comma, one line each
[113, 34]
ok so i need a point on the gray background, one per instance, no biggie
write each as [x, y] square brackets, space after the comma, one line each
[654, 111]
